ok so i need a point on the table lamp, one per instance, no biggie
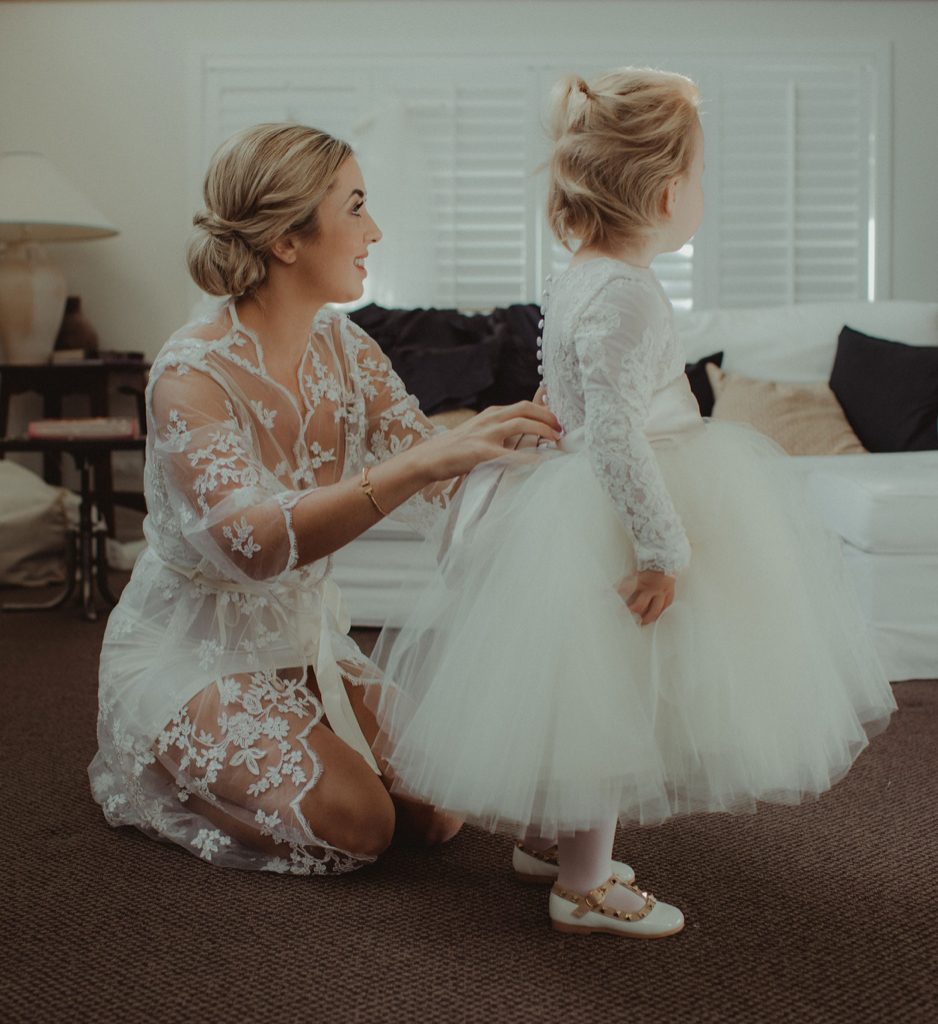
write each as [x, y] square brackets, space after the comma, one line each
[37, 204]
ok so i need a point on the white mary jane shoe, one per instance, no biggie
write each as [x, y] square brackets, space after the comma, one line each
[584, 913]
[540, 867]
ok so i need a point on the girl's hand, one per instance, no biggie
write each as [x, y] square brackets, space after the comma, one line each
[647, 594]
[486, 436]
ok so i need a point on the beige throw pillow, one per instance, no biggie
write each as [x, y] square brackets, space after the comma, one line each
[805, 419]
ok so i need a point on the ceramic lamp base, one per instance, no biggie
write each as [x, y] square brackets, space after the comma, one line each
[32, 302]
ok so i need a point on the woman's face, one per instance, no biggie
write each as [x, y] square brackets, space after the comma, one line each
[332, 263]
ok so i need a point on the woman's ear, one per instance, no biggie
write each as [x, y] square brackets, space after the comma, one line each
[285, 249]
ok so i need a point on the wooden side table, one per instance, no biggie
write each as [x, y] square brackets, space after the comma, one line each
[89, 377]
[89, 563]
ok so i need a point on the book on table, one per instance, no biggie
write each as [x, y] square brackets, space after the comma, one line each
[89, 428]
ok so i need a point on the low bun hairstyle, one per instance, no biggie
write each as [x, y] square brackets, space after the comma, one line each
[617, 143]
[262, 183]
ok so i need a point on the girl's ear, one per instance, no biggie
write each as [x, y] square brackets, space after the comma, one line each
[669, 197]
[285, 249]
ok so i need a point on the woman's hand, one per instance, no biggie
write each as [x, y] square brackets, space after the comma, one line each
[647, 594]
[486, 436]
[523, 441]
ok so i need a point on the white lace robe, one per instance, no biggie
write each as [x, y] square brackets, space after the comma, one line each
[218, 622]
[609, 349]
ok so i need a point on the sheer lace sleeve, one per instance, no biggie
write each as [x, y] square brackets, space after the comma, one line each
[228, 505]
[616, 347]
[394, 424]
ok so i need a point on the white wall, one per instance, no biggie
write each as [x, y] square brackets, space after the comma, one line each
[105, 88]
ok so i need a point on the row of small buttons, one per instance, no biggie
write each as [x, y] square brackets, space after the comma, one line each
[540, 327]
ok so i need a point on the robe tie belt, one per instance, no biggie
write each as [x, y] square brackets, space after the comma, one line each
[321, 607]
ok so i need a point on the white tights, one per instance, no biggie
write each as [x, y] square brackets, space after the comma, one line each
[585, 861]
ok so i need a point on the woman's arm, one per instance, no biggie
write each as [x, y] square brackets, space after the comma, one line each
[330, 517]
[245, 524]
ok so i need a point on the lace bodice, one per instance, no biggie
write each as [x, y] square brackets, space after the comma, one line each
[231, 450]
[609, 348]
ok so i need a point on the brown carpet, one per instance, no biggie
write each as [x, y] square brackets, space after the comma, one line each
[827, 912]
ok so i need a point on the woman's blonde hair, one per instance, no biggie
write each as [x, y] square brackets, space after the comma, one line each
[617, 142]
[263, 183]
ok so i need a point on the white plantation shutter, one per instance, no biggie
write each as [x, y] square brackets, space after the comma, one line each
[793, 199]
[480, 192]
[240, 93]
[795, 159]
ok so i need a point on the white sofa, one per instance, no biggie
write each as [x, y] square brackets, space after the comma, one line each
[884, 506]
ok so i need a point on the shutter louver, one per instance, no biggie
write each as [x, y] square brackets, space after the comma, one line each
[793, 196]
[475, 147]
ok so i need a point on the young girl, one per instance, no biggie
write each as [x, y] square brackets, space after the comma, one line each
[696, 645]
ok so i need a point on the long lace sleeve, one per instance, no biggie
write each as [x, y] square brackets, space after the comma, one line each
[616, 349]
[394, 424]
[212, 484]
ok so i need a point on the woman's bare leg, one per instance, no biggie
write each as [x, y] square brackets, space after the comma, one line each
[416, 820]
[272, 778]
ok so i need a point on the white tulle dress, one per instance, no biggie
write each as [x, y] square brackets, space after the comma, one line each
[205, 724]
[521, 692]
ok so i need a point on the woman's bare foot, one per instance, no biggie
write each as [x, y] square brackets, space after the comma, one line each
[425, 823]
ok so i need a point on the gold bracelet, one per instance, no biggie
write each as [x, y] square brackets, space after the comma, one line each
[369, 490]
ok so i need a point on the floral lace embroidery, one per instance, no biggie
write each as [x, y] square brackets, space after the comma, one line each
[603, 364]
[224, 460]
[265, 416]
[241, 535]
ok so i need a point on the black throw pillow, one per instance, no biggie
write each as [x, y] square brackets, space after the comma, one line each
[888, 391]
[700, 384]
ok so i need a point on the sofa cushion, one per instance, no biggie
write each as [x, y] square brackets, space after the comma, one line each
[881, 503]
[889, 391]
[797, 343]
[897, 598]
[805, 419]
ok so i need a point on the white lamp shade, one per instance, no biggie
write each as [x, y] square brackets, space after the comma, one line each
[39, 204]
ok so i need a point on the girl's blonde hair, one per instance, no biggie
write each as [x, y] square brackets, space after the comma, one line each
[617, 142]
[262, 183]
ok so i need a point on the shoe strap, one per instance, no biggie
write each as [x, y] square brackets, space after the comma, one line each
[594, 900]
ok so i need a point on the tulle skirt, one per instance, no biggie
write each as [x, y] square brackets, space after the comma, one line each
[521, 692]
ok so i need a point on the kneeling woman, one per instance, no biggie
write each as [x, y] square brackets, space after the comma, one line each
[231, 716]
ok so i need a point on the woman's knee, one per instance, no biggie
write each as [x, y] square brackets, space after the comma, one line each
[351, 811]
